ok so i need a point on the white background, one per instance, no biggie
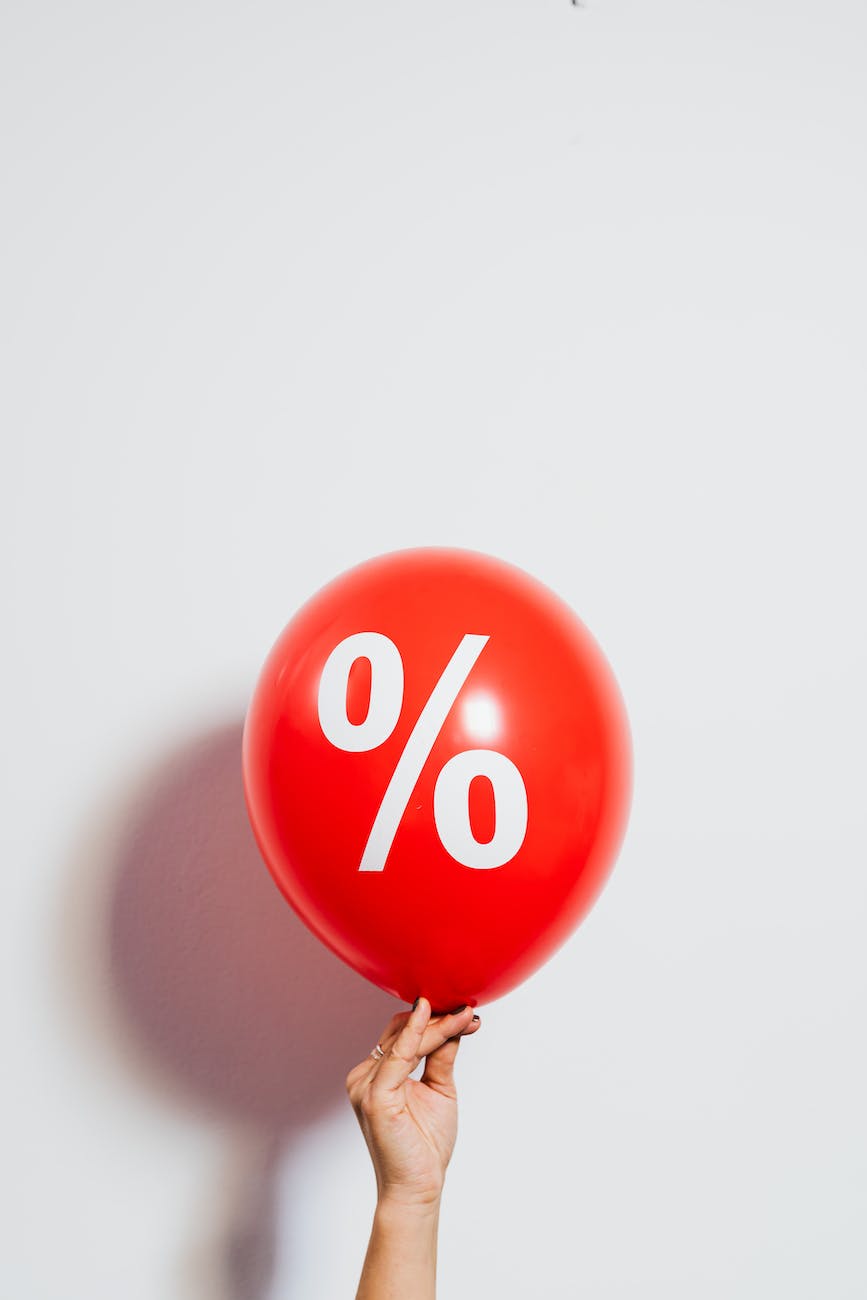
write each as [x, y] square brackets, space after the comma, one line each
[285, 285]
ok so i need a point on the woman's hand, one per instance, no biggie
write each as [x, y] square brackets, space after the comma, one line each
[410, 1125]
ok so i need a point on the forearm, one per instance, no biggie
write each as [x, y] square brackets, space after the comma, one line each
[401, 1258]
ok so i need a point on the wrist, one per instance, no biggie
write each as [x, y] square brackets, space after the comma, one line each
[401, 1258]
[396, 1208]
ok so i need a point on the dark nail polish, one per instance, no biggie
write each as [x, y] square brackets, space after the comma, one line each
[415, 1004]
[457, 1011]
[475, 1017]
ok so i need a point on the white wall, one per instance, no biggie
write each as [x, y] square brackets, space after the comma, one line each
[286, 285]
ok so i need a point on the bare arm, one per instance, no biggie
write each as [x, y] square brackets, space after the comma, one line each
[410, 1126]
[401, 1259]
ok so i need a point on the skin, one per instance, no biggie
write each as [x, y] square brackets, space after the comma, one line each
[410, 1126]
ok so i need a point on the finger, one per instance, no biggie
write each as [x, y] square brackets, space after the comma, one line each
[439, 1031]
[362, 1075]
[368, 1068]
[418, 1038]
[431, 1033]
[392, 1029]
[364, 1069]
[365, 1072]
[396, 1067]
[439, 1068]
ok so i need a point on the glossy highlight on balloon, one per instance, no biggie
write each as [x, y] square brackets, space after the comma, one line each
[437, 770]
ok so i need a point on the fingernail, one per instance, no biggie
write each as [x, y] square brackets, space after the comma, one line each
[457, 1011]
[415, 1004]
[475, 1017]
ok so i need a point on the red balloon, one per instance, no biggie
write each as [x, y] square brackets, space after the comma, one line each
[437, 770]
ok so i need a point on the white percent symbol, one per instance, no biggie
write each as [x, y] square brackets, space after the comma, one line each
[452, 789]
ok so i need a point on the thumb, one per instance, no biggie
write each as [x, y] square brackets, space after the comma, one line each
[439, 1068]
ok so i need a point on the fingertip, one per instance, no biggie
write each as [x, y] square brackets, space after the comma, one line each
[421, 1011]
[464, 1021]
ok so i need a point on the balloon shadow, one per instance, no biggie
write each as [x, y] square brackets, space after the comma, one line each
[232, 1004]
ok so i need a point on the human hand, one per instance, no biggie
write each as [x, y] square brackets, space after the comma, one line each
[410, 1125]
